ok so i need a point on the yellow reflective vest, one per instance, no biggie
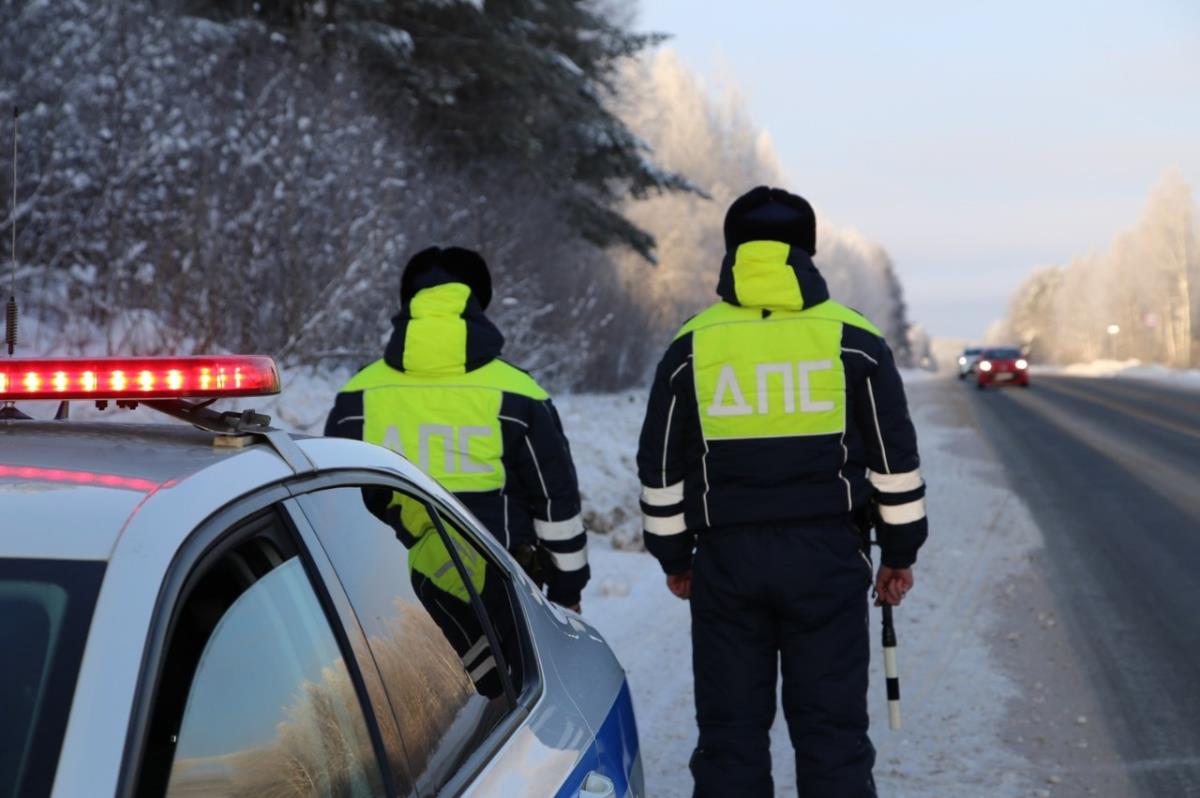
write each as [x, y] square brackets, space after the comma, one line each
[442, 397]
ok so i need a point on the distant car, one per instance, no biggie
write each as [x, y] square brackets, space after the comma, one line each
[1002, 366]
[221, 611]
[967, 361]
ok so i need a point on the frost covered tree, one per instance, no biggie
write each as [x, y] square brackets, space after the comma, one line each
[1032, 317]
[861, 274]
[921, 348]
[1146, 284]
[527, 82]
[712, 139]
[252, 176]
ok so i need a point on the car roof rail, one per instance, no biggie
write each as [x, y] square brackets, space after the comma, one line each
[233, 428]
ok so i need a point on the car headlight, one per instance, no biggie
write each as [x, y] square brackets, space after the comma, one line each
[1022, 364]
[985, 365]
[962, 361]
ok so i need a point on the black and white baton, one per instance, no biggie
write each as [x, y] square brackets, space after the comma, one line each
[890, 669]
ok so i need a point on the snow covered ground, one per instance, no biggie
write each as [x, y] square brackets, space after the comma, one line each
[956, 697]
[1134, 369]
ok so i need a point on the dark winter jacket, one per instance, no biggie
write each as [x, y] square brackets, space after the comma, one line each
[777, 404]
[484, 429]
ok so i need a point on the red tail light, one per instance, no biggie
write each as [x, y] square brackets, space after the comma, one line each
[143, 378]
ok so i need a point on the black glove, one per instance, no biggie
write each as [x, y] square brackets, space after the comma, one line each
[532, 560]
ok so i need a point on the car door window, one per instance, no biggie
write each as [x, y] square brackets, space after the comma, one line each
[268, 705]
[432, 650]
[498, 605]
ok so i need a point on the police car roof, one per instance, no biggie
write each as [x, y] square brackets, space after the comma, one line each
[67, 489]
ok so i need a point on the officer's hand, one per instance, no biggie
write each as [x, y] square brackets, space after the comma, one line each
[681, 584]
[891, 584]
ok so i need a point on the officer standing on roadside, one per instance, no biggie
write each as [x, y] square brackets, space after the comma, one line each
[482, 428]
[777, 420]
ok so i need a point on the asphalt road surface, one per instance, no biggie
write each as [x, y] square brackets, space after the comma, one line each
[1110, 469]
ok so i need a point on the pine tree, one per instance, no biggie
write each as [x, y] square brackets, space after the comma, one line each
[522, 82]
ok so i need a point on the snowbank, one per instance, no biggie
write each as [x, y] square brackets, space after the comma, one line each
[912, 376]
[603, 430]
[1134, 369]
[306, 399]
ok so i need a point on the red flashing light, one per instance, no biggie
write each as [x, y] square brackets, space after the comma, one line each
[138, 379]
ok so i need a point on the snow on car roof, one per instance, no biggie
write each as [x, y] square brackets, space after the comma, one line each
[70, 487]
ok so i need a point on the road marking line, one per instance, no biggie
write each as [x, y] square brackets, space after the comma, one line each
[1156, 474]
[1181, 400]
[1124, 409]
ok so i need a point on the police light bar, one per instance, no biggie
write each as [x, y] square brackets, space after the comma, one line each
[138, 378]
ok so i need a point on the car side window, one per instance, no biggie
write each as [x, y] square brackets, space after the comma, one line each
[499, 607]
[255, 696]
[433, 652]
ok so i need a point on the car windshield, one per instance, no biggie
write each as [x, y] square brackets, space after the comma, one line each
[45, 610]
[972, 351]
[1003, 354]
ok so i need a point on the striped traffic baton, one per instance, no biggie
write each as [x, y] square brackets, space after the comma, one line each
[890, 669]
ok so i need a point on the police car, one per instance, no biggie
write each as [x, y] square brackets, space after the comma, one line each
[224, 609]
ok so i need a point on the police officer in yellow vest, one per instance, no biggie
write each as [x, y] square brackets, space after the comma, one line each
[483, 428]
[776, 422]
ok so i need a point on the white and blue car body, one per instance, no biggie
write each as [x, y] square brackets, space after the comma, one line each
[196, 614]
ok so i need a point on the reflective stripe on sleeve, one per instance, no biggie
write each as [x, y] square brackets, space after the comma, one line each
[663, 497]
[480, 646]
[902, 513]
[571, 561]
[558, 530]
[485, 667]
[671, 525]
[896, 483]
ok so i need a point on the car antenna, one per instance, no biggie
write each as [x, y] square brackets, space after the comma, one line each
[8, 410]
[10, 309]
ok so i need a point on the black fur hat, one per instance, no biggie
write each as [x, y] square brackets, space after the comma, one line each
[771, 214]
[463, 265]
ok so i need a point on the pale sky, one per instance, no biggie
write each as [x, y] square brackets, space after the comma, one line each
[974, 141]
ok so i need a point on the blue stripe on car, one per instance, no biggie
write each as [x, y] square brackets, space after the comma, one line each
[616, 748]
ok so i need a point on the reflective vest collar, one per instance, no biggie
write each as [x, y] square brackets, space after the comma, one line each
[773, 275]
[442, 331]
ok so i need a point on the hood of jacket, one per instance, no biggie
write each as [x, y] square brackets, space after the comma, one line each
[442, 331]
[771, 275]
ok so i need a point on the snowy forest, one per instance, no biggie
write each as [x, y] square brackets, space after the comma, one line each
[1140, 299]
[205, 175]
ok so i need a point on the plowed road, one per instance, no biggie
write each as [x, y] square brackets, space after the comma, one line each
[1111, 471]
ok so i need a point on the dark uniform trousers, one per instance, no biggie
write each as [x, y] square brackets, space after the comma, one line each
[781, 598]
